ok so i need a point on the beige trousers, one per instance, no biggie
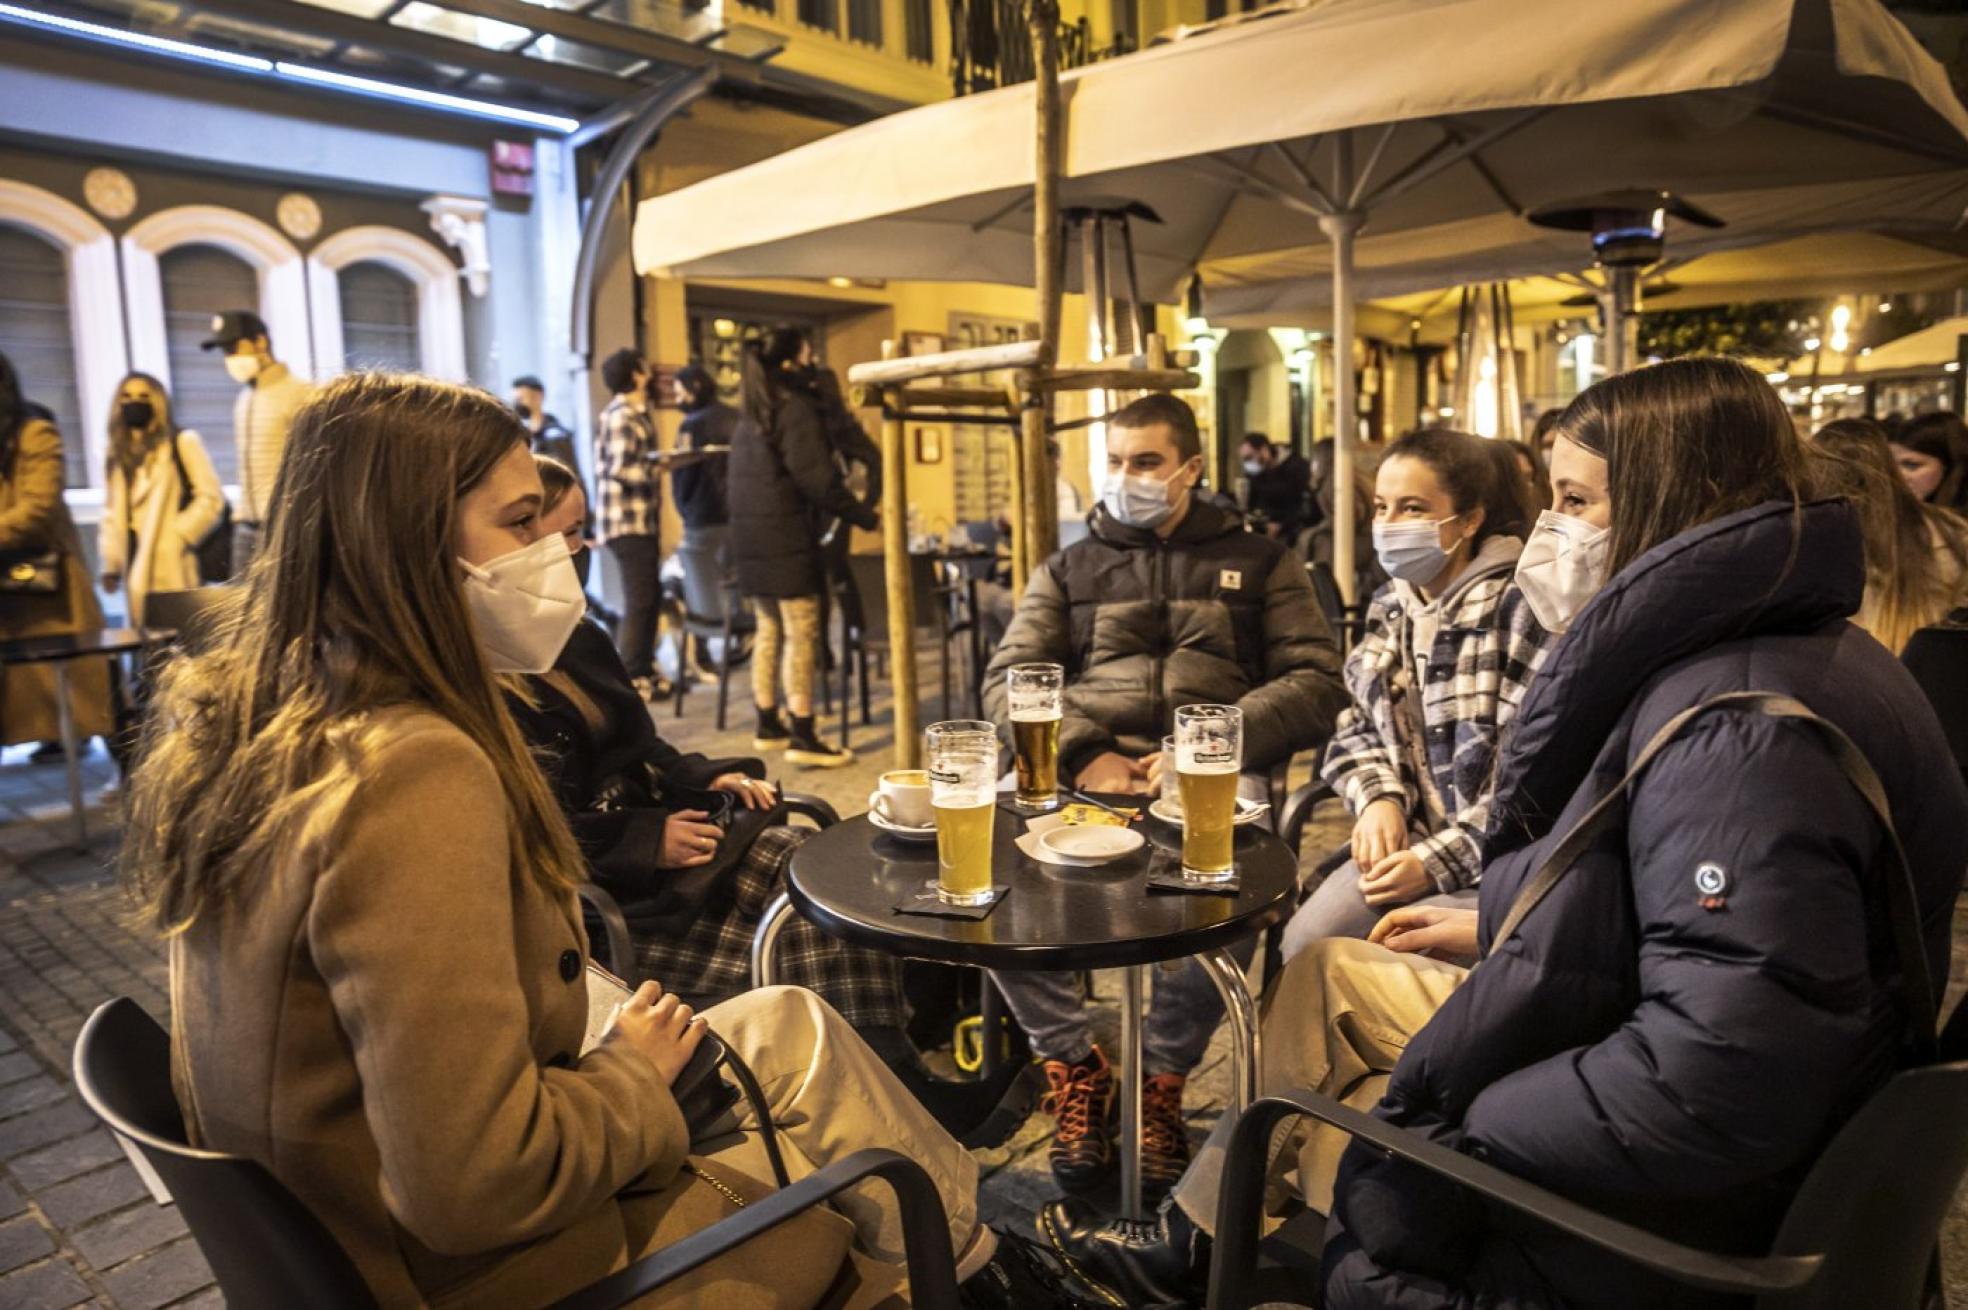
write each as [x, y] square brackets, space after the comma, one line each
[831, 1096]
[788, 644]
[1342, 1014]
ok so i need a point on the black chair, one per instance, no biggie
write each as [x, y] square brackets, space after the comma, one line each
[932, 608]
[267, 1249]
[710, 608]
[1861, 1231]
[1937, 658]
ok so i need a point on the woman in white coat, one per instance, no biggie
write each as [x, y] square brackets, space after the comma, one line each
[164, 497]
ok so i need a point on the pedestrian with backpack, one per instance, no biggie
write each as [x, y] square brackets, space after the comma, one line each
[164, 499]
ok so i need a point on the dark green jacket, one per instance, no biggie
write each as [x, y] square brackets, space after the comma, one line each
[1214, 614]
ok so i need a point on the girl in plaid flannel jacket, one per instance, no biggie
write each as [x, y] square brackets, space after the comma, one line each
[1438, 674]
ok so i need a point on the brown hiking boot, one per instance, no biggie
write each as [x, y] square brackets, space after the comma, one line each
[1080, 1098]
[1164, 1137]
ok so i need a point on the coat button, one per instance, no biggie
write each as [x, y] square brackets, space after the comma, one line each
[570, 965]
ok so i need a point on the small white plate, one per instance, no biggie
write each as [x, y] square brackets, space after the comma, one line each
[1248, 811]
[1091, 841]
[897, 830]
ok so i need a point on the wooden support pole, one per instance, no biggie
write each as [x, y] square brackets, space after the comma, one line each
[975, 359]
[901, 594]
[1039, 519]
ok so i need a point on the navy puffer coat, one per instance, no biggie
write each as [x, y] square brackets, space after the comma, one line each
[1674, 1066]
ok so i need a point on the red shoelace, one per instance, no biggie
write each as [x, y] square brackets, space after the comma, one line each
[1072, 1092]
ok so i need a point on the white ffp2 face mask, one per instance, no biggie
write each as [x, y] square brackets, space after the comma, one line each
[242, 368]
[1561, 568]
[525, 605]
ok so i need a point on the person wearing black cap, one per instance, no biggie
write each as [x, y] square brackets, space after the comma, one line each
[269, 396]
[550, 435]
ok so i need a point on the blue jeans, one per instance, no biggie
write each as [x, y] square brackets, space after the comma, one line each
[1181, 1016]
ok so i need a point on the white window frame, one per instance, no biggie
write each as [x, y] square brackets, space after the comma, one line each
[281, 270]
[440, 309]
[95, 304]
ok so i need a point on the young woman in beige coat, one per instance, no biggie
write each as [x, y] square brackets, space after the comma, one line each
[152, 521]
[378, 971]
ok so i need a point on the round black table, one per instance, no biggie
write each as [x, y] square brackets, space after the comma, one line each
[849, 878]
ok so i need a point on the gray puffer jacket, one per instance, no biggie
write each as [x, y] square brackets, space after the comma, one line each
[1214, 614]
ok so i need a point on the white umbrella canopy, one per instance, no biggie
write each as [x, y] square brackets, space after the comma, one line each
[1901, 234]
[1397, 115]
[1493, 107]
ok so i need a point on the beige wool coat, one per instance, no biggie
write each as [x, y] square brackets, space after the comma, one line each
[33, 516]
[393, 1030]
[147, 541]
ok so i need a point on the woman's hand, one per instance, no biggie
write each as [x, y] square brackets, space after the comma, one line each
[688, 841]
[1114, 773]
[1381, 829]
[1437, 931]
[660, 1027]
[111, 581]
[1396, 880]
[756, 793]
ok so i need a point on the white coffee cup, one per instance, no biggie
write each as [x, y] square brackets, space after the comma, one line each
[903, 798]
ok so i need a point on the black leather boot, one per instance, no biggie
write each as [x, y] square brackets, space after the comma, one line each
[1161, 1262]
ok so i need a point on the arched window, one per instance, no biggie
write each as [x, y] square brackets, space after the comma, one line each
[199, 282]
[37, 335]
[379, 317]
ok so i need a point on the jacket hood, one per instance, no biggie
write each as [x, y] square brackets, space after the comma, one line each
[1205, 521]
[1496, 555]
[1746, 575]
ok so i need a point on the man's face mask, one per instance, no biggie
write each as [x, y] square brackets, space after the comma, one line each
[1142, 500]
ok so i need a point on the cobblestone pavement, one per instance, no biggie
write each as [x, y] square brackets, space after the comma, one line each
[77, 1226]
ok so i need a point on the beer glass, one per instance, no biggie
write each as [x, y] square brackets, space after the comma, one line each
[1209, 755]
[1036, 693]
[963, 790]
[1171, 790]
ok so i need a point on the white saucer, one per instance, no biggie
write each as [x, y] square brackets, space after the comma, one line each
[897, 830]
[1092, 843]
[1248, 811]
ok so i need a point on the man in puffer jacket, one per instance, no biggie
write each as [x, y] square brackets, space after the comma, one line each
[1168, 602]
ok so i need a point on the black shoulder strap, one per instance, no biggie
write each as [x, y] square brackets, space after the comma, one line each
[1916, 984]
[184, 479]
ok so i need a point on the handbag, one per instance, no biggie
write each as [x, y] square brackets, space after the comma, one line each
[679, 895]
[30, 572]
[214, 549]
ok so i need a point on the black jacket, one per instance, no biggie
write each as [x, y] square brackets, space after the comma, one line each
[585, 764]
[699, 489]
[786, 487]
[1214, 614]
[1283, 494]
[1675, 1064]
[555, 440]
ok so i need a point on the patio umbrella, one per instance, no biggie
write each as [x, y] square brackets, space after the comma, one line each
[1400, 116]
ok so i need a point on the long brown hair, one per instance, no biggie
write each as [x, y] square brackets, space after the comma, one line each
[257, 742]
[1686, 442]
[1916, 553]
[128, 449]
[1942, 436]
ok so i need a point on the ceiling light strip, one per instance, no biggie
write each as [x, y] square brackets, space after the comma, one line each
[304, 73]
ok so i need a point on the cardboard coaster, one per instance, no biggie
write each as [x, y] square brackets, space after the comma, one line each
[926, 901]
[1165, 875]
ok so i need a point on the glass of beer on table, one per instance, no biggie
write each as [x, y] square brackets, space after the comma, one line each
[963, 790]
[1036, 693]
[1209, 756]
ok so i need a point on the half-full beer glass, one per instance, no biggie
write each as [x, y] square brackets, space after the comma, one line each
[1209, 755]
[1036, 693]
[963, 790]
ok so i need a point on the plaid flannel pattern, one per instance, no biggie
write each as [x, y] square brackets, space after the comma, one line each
[627, 491]
[1484, 655]
[712, 960]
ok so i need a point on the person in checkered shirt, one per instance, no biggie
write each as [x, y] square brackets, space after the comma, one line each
[629, 496]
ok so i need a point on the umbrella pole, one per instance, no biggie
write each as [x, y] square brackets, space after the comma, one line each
[1038, 520]
[1340, 229]
[896, 566]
